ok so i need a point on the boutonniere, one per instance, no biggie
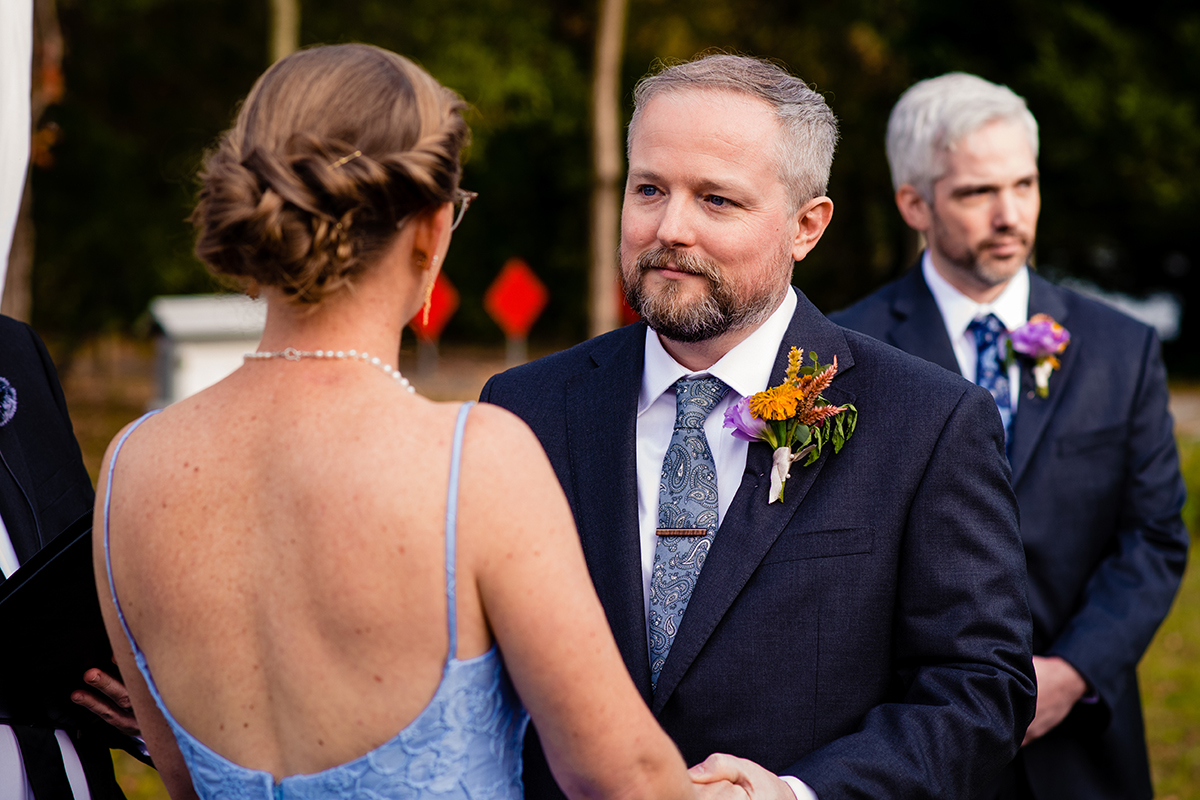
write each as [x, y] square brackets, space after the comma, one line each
[8, 401]
[1040, 339]
[793, 418]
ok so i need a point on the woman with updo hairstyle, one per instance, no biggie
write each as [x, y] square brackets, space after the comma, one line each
[316, 582]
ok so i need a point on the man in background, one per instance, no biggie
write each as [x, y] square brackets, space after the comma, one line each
[1088, 433]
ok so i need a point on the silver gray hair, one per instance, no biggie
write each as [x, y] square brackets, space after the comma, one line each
[804, 151]
[935, 114]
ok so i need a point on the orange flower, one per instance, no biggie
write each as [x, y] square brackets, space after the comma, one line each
[776, 403]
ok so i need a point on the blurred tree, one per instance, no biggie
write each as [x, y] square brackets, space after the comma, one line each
[285, 28]
[151, 83]
[606, 166]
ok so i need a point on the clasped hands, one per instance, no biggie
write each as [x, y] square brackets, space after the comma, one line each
[718, 777]
[726, 777]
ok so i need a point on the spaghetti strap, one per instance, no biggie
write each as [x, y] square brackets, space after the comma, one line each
[452, 529]
[112, 463]
[465, 743]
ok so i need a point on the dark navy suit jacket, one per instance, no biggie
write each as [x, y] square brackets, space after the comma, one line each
[870, 633]
[44, 488]
[1097, 478]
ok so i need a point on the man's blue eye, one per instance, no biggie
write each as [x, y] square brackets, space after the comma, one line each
[717, 200]
[647, 191]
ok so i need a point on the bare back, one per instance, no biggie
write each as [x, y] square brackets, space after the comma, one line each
[278, 550]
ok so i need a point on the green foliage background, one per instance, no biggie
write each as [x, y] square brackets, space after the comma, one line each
[150, 83]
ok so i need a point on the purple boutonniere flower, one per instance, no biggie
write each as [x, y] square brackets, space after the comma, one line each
[745, 425]
[8, 401]
[1041, 339]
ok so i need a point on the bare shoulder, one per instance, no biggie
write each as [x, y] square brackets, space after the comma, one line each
[506, 470]
[123, 440]
[500, 433]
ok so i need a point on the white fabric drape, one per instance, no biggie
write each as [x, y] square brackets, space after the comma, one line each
[16, 64]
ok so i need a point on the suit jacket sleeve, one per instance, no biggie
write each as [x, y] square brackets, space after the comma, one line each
[963, 690]
[1131, 590]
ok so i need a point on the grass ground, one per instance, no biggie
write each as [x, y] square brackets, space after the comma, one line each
[109, 386]
[1170, 670]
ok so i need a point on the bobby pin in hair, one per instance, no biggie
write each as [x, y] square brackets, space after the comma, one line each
[345, 159]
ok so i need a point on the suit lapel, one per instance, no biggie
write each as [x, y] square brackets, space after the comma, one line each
[601, 442]
[918, 328]
[15, 498]
[751, 526]
[1033, 412]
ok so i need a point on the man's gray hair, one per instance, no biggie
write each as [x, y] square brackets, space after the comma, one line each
[808, 127]
[935, 114]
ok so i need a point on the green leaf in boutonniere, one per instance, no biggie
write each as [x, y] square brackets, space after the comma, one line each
[793, 418]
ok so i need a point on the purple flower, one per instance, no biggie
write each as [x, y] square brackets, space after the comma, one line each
[8, 401]
[1040, 337]
[745, 425]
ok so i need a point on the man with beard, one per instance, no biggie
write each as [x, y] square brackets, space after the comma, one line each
[1089, 436]
[866, 634]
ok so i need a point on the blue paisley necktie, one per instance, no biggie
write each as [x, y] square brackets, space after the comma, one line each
[687, 514]
[990, 370]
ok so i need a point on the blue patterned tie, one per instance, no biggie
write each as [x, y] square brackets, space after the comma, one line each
[990, 370]
[687, 514]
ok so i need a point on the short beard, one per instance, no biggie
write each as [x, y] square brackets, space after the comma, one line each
[970, 262]
[718, 311]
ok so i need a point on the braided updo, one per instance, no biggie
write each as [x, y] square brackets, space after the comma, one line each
[287, 200]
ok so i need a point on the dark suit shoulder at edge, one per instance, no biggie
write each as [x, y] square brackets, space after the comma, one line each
[13, 331]
[877, 306]
[870, 354]
[571, 360]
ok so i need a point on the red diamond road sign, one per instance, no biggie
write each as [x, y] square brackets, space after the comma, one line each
[441, 309]
[515, 299]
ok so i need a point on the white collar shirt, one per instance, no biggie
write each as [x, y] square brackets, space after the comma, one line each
[958, 311]
[745, 369]
[8, 555]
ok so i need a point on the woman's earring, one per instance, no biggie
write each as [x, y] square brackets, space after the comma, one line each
[428, 296]
[428, 304]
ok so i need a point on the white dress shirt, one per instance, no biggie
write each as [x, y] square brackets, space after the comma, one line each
[13, 781]
[958, 311]
[745, 369]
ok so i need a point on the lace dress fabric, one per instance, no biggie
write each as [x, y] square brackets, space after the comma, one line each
[465, 744]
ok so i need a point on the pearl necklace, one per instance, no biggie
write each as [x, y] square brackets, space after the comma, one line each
[292, 354]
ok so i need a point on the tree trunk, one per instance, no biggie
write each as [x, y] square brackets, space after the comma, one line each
[606, 164]
[285, 28]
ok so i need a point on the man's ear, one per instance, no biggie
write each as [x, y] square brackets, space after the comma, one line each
[913, 208]
[812, 219]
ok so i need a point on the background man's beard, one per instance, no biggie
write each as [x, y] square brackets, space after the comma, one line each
[716, 312]
[975, 264]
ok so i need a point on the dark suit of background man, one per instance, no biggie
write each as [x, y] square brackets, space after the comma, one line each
[868, 635]
[43, 489]
[1093, 463]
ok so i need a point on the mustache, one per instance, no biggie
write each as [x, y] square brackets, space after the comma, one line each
[1008, 236]
[680, 261]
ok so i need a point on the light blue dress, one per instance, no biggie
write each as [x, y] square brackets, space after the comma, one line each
[465, 744]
